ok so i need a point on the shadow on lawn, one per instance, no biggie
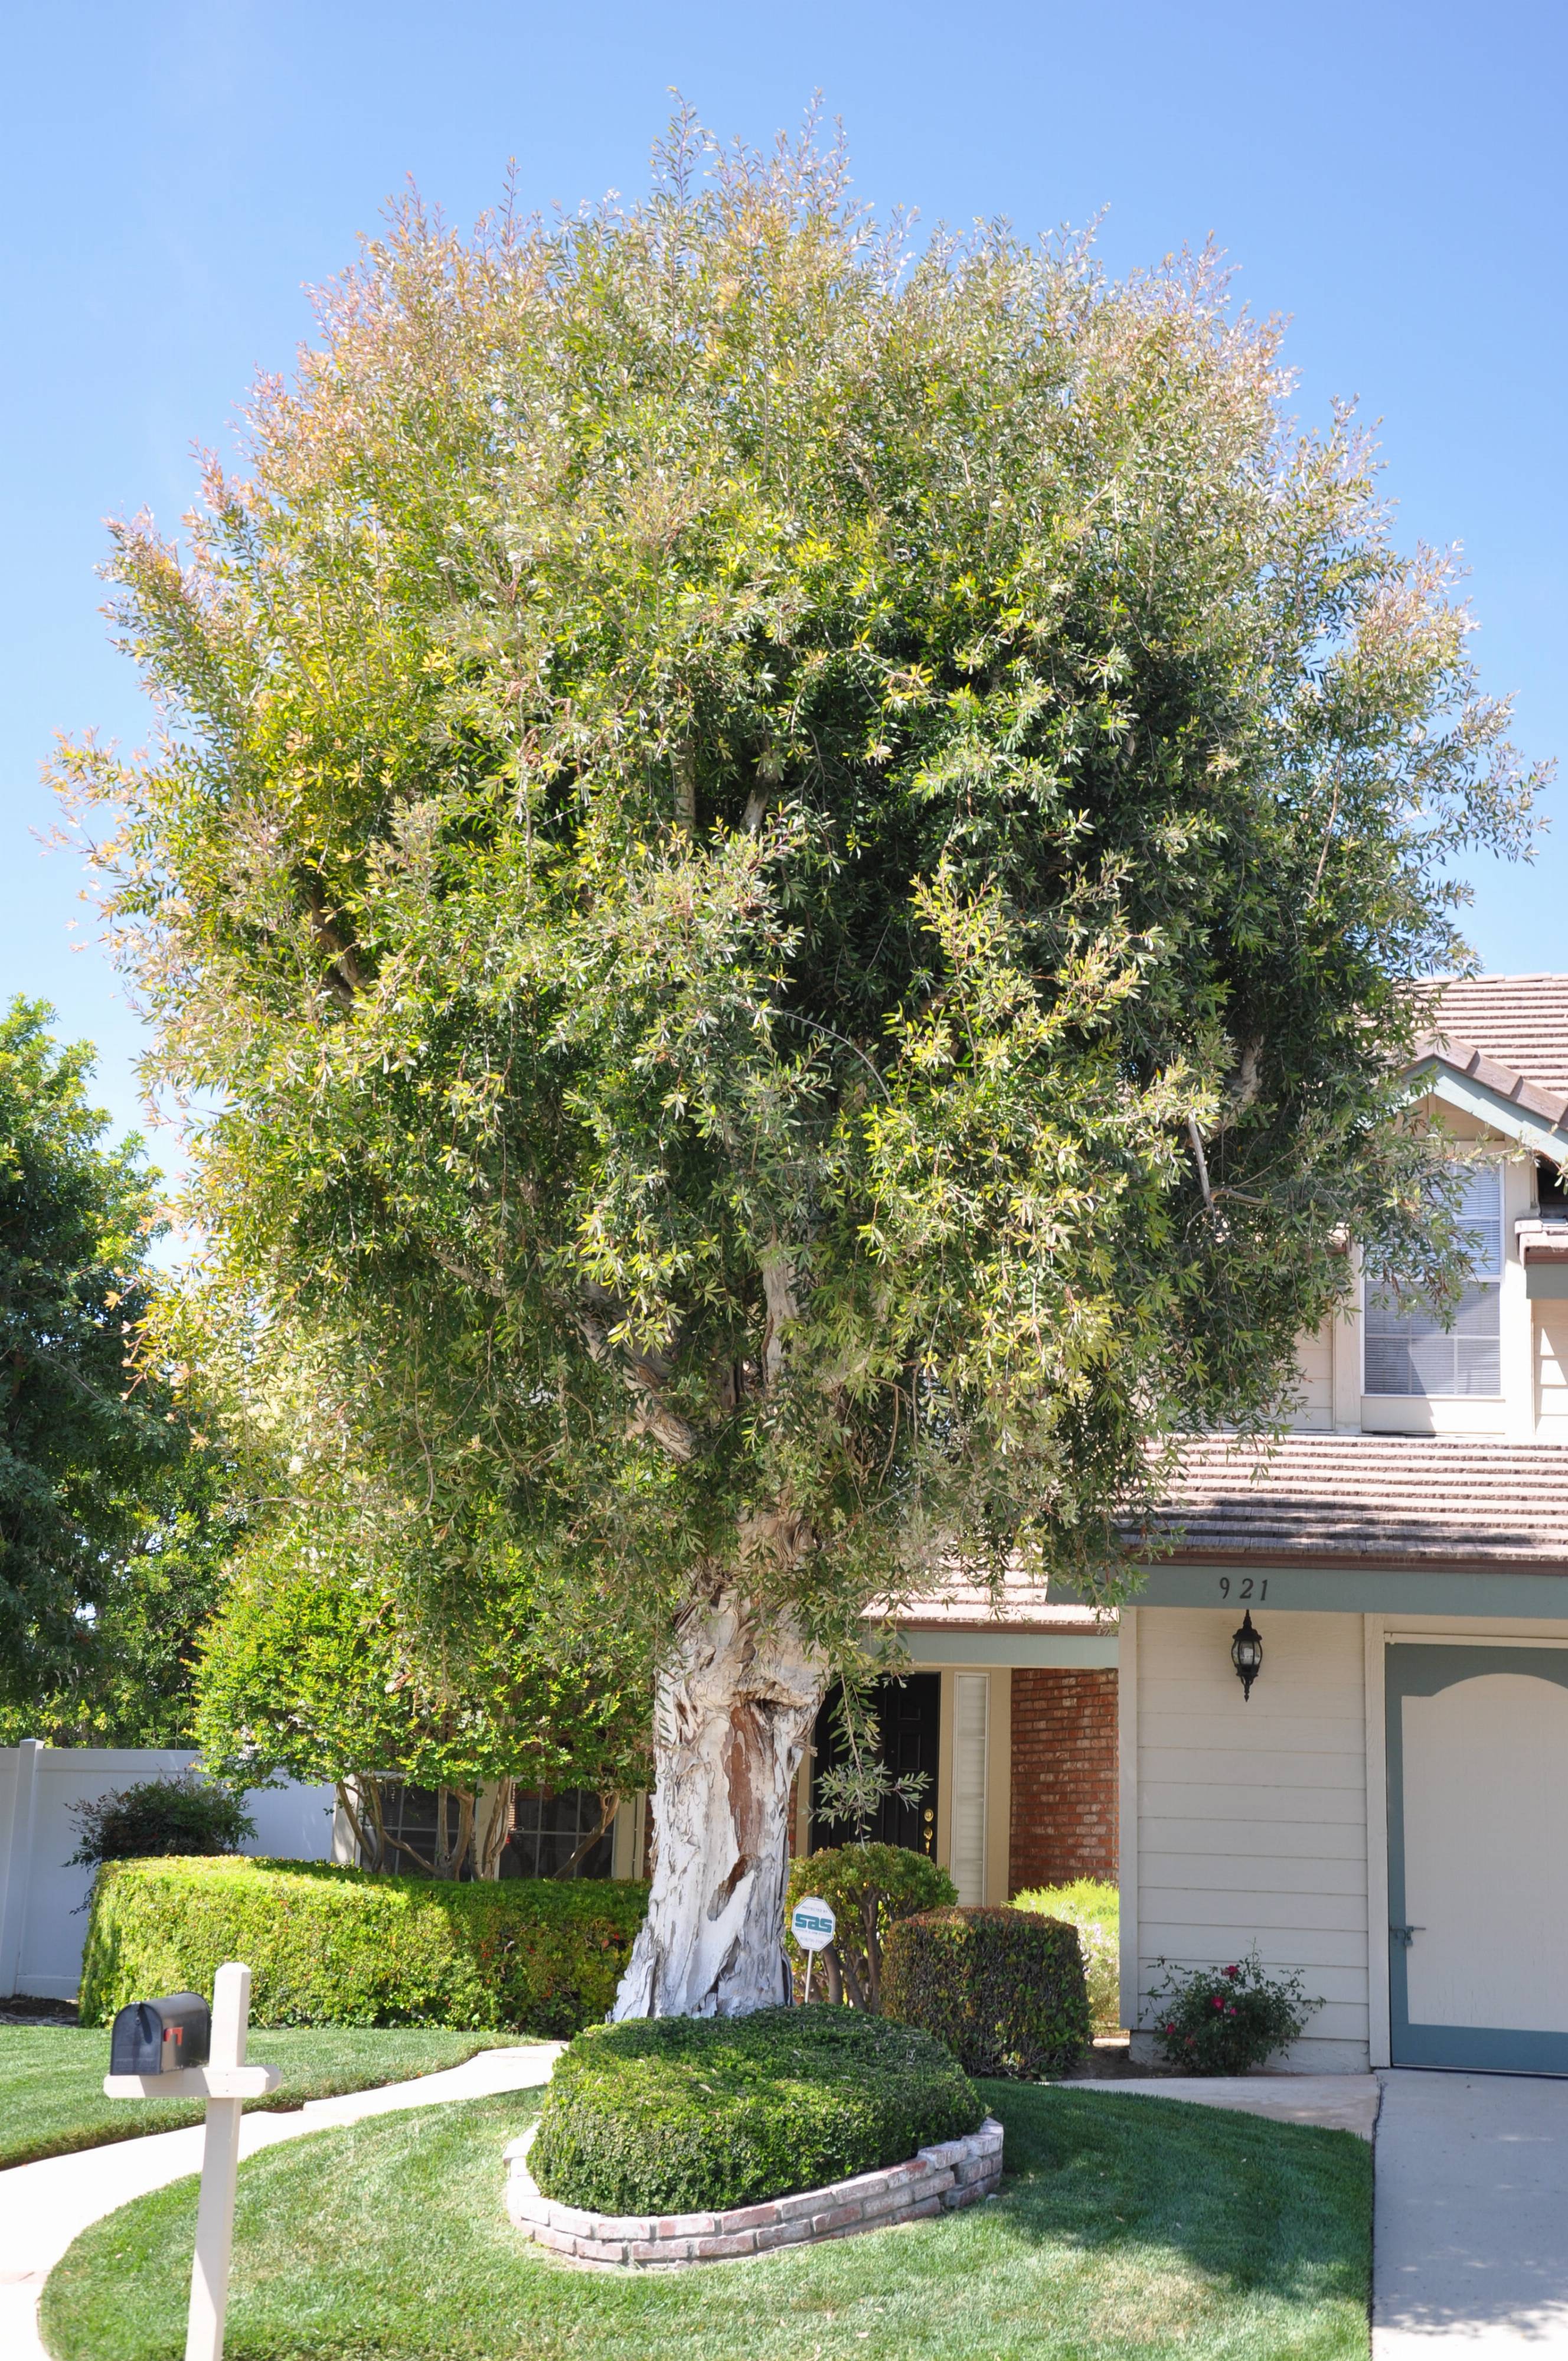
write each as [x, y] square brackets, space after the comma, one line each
[1278, 2210]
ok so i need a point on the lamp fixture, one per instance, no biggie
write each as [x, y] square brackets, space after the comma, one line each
[1246, 1655]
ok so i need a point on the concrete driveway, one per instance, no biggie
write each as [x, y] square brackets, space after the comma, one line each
[1471, 2242]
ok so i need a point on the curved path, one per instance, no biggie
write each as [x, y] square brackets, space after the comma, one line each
[44, 2206]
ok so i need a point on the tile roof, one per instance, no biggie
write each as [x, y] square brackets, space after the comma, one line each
[1022, 1604]
[1519, 1022]
[1457, 1499]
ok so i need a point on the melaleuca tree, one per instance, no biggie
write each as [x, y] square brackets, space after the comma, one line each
[797, 868]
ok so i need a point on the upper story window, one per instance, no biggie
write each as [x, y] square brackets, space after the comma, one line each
[1409, 1351]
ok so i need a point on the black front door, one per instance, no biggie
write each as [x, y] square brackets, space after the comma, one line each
[909, 1719]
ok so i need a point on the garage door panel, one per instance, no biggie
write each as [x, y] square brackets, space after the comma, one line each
[1478, 1860]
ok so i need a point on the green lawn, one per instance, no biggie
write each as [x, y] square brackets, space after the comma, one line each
[1144, 2228]
[51, 2079]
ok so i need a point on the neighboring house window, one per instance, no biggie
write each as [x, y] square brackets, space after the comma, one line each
[1410, 1351]
[410, 1814]
[549, 1830]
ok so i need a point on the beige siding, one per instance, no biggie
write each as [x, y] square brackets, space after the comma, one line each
[1252, 1814]
[1552, 1371]
[1314, 1403]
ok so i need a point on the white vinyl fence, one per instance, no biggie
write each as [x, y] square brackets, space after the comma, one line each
[42, 1922]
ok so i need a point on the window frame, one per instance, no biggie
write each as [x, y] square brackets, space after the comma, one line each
[1494, 1166]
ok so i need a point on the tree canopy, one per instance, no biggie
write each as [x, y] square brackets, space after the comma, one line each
[797, 865]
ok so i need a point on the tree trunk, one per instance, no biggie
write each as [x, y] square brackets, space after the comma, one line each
[731, 1719]
[499, 1824]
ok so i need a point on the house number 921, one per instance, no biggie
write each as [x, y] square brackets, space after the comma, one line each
[1248, 1588]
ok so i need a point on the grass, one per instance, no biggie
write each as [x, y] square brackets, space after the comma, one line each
[51, 2079]
[1128, 2229]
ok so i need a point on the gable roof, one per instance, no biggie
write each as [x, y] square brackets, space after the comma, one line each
[1517, 1021]
[1496, 1048]
[1351, 1498]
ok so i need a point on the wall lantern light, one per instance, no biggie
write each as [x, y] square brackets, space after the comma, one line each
[1246, 1655]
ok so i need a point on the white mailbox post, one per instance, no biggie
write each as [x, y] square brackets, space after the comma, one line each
[226, 2082]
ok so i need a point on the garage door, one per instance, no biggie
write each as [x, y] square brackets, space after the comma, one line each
[1478, 1858]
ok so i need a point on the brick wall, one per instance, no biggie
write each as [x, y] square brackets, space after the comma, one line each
[1064, 1777]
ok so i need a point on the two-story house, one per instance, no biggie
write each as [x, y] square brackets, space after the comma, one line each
[1386, 1806]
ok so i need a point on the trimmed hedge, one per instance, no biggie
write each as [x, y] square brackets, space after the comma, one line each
[1005, 1989]
[331, 1946]
[681, 2114]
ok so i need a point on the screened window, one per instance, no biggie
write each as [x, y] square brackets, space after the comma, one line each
[1409, 1351]
[550, 1831]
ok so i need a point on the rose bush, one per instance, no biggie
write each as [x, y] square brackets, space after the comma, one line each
[1227, 2020]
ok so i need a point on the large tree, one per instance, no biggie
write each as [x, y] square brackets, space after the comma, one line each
[797, 868]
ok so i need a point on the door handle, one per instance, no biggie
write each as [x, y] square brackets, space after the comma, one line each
[1405, 1936]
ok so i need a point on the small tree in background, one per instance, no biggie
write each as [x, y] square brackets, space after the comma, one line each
[315, 1667]
[112, 1525]
[794, 869]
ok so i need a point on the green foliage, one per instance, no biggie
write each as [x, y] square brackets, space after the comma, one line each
[684, 2114]
[735, 803]
[160, 1816]
[330, 1946]
[314, 1666]
[105, 1565]
[1002, 1988]
[1227, 2020]
[868, 1886]
[1095, 1907]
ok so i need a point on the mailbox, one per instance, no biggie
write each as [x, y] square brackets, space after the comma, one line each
[160, 2037]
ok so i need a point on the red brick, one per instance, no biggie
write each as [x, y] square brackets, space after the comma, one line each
[1064, 1777]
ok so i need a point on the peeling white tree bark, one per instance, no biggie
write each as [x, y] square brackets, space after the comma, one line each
[732, 1717]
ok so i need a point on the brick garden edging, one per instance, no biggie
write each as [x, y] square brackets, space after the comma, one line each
[935, 2180]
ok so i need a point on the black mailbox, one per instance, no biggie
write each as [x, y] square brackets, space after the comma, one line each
[160, 2036]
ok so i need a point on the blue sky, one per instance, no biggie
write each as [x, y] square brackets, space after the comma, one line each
[1392, 177]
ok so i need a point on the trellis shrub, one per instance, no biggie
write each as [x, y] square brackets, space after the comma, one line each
[335, 1946]
[1005, 1989]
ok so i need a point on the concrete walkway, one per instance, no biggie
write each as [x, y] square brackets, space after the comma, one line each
[1470, 2240]
[1337, 2103]
[44, 2206]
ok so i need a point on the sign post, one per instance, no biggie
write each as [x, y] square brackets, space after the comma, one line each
[813, 1925]
[226, 2082]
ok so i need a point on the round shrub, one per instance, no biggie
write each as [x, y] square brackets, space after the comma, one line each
[160, 1816]
[1005, 1989]
[684, 2114]
[867, 1886]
